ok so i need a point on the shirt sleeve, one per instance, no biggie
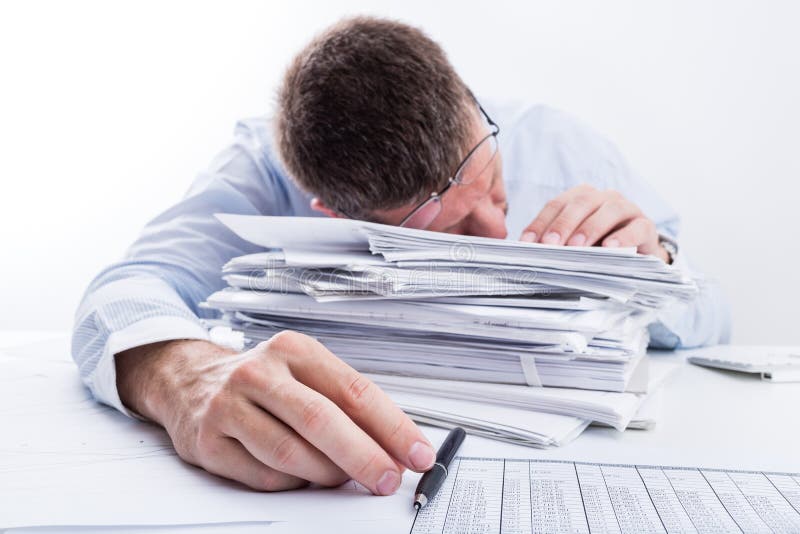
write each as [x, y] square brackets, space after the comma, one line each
[702, 321]
[154, 293]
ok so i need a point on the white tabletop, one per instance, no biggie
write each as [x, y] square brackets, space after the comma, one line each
[709, 418]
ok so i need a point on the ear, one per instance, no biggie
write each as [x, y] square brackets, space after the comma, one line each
[318, 205]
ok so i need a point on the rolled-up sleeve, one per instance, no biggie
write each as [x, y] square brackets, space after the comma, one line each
[154, 293]
[133, 309]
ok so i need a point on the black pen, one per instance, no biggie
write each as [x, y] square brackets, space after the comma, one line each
[433, 479]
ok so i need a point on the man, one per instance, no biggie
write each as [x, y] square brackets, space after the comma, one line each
[372, 122]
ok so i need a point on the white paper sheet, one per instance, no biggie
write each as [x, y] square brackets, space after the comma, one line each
[65, 460]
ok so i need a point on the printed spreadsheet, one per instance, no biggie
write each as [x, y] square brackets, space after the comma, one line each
[510, 496]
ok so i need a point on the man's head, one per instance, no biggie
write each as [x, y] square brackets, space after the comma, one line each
[372, 119]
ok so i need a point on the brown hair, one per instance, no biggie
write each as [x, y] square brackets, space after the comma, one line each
[371, 115]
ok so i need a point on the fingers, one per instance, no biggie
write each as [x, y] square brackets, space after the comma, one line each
[343, 422]
[639, 232]
[613, 213]
[536, 229]
[571, 216]
[582, 216]
[317, 419]
[227, 458]
[278, 446]
[368, 406]
[561, 215]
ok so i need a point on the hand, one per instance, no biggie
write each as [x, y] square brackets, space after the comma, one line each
[276, 417]
[584, 216]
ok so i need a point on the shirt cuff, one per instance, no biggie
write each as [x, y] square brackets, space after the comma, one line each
[151, 330]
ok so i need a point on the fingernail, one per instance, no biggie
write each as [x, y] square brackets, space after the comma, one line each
[612, 243]
[421, 456]
[528, 237]
[551, 238]
[388, 483]
[577, 240]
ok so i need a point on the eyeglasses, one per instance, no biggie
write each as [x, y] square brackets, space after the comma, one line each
[468, 171]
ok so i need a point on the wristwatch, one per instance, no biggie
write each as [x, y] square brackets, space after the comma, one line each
[670, 246]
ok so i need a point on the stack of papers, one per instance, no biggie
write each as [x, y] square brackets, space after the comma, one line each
[501, 344]
[523, 425]
[482, 317]
[520, 426]
[506, 405]
[416, 303]
[370, 259]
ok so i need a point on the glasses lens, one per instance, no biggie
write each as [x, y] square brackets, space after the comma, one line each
[425, 214]
[477, 162]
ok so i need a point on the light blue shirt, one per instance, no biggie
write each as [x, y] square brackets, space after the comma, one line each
[154, 293]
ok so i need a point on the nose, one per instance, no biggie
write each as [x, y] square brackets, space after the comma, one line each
[488, 220]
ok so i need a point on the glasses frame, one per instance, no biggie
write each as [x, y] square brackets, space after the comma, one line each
[436, 196]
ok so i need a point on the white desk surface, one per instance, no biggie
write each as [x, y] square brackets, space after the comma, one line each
[709, 418]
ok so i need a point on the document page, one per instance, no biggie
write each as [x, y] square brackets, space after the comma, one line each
[495, 495]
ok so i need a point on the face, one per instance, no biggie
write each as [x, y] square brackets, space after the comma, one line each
[478, 208]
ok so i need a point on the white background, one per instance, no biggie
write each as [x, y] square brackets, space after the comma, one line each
[108, 109]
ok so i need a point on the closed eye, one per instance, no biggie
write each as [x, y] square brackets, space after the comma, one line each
[488, 191]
